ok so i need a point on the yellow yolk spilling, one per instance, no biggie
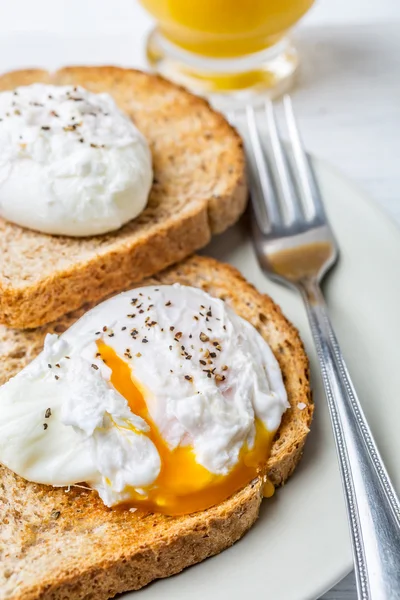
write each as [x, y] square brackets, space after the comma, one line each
[183, 485]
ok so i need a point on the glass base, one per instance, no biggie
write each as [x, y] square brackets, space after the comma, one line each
[228, 82]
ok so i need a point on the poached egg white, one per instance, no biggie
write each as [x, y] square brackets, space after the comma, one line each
[161, 397]
[71, 162]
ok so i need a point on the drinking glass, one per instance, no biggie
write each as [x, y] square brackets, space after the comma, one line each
[233, 48]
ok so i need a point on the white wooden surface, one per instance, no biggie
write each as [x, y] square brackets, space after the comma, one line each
[347, 96]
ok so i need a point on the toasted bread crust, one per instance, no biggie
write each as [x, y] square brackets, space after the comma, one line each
[91, 552]
[199, 189]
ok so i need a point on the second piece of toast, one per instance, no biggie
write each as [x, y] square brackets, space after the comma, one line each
[56, 545]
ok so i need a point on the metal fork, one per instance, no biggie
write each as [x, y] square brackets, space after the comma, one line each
[295, 246]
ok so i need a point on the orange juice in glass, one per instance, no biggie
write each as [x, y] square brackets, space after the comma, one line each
[220, 46]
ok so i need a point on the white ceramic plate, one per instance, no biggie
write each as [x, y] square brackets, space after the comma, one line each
[299, 548]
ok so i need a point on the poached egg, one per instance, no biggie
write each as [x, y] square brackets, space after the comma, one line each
[71, 162]
[159, 398]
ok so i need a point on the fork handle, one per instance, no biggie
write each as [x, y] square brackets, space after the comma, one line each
[373, 508]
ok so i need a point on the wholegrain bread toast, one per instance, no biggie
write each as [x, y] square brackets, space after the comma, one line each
[199, 189]
[56, 545]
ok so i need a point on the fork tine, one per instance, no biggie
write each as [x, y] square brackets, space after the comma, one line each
[261, 217]
[304, 169]
[230, 115]
[285, 179]
[261, 177]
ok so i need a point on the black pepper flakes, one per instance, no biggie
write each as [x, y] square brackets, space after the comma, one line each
[47, 414]
[145, 340]
[95, 367]
[188, 377]
[45, 426]
[55, 514]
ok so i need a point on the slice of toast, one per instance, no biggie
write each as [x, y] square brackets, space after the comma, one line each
[56, 545]
[199, 189]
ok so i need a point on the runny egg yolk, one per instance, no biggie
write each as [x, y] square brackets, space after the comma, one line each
[183, 485]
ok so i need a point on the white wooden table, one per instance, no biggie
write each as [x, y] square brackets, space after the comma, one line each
[347, 96]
